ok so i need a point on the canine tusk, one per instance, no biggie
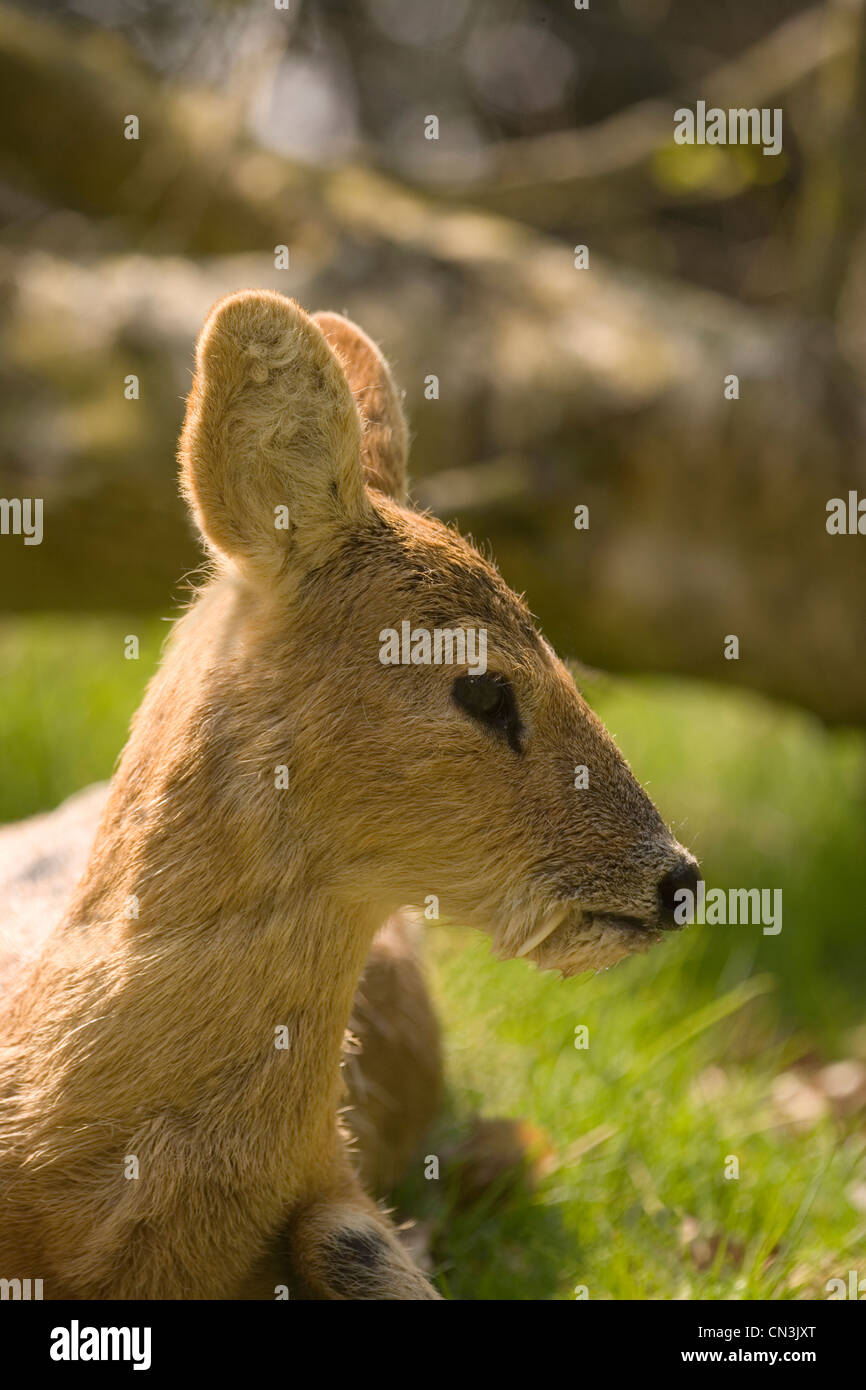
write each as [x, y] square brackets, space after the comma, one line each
[542, 933]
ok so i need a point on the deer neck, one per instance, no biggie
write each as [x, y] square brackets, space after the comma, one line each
[197, 984]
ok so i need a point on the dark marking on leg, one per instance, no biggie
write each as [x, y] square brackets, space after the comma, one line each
[355, 1261]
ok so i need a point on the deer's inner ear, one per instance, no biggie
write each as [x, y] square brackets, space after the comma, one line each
[271, 445]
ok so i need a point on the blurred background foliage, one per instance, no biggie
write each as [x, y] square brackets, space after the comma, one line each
[304, 127]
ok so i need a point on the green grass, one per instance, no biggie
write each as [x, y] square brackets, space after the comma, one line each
[67, 692]
[684, 1044]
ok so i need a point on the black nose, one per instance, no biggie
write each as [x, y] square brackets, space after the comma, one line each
[682, 875]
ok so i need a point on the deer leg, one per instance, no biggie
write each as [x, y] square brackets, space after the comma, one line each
[393, 1068]
[344, 1248]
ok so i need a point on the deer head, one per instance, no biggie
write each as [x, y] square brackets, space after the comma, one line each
[416, 766]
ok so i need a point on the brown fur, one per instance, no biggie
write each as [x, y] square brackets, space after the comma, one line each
[154, 1035]
[392, 1062]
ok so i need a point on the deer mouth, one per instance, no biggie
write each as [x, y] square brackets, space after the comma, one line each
[574, 941]
[542, 933]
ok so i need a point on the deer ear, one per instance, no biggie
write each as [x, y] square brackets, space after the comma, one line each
[385, 443]
[271, 446]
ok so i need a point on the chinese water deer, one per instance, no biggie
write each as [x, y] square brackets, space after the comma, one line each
[283, 792]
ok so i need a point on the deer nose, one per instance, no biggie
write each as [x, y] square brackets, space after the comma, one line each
[683, 875]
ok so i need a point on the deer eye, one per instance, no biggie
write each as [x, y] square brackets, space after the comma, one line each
[489, 700]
